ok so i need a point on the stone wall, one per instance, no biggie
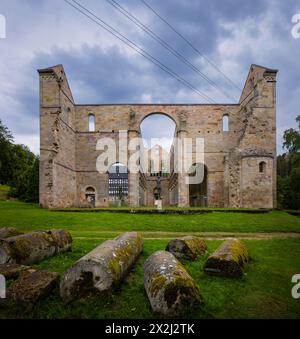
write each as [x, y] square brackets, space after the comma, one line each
[68, 149]
[57, 142]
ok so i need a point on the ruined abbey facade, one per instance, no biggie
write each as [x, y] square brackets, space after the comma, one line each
[240, 161]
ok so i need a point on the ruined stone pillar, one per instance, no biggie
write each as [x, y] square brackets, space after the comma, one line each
[170, 289]
[133, 188]
[133, 168]
[226, 180]
[103, 269]
[32, 248]
[183, 192]
[183, 187]
[229, 260]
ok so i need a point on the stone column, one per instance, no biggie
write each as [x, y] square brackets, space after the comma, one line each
[183, 187]
[226, 176]
[133, 194]
[133, 177]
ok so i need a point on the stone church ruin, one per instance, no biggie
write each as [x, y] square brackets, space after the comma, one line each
[239, 155]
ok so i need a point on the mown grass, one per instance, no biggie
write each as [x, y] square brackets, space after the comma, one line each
[264, 292]
[28, 217]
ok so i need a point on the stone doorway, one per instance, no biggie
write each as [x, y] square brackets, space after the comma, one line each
[198, 194]
[90, 196]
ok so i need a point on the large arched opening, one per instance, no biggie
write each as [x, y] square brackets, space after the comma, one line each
[158, 131]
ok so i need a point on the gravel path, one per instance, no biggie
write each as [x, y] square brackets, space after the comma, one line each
[205, 235]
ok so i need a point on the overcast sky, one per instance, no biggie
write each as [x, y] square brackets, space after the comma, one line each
[100, 69]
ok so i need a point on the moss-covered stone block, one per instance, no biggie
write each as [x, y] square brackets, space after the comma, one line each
[31, 248]
[187, 248]
[7, 232]
[171, 290]
[103, 269]
[32, 287]
[229, 260]
[13, 271]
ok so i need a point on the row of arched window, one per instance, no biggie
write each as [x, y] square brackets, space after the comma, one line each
[92, 123]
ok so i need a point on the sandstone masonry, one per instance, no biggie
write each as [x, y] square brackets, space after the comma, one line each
[240, 163]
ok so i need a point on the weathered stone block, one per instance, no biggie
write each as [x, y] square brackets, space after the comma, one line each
[30, 288]
[13, 271]
[188, 248]
[229, 260]
[102, 269]
[33, 247]
[7, 232]
[170, 289]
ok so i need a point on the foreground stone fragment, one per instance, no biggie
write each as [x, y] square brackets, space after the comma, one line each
[33, 247]
[187, 248]
[13, 271]
[30, 288]
[229, 260]
[103, 268]
[7, 232]
[170, 289]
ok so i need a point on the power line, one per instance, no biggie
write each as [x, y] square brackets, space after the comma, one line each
[166, 45]
[191, 45]
[136, 48]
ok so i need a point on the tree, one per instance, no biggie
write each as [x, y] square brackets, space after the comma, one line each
[291, 138]
[32, 194]
[288, 169]
[23, 160]
[19, 168]
[6, 140]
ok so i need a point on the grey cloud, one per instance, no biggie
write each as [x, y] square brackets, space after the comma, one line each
[100, 72]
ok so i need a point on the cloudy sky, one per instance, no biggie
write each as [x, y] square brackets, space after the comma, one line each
[101, 69]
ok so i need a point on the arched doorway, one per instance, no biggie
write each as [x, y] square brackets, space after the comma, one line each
[198, 192]
[118, 184]
[158, 131]
[90, 196]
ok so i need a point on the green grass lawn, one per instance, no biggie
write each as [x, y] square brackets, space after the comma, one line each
[28, 217]
[264, 292]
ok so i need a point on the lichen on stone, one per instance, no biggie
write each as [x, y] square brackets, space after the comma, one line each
[187, 248]
[230, 259]
[21, 247]
[157, 283]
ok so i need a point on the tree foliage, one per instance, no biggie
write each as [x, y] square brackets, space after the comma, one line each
[6, 140]
[291, 138]
[18, 167]
[288, 169]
